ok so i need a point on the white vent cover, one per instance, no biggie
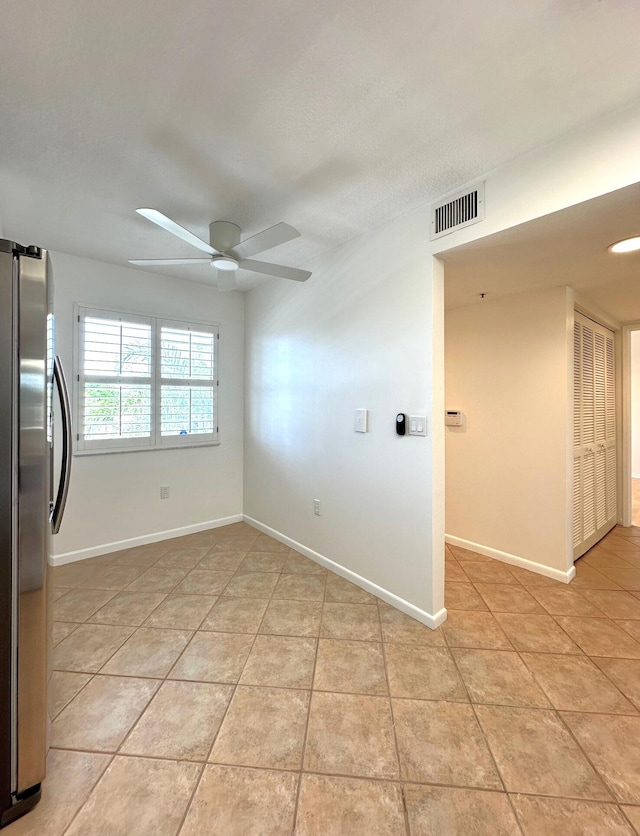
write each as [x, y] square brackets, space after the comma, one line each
[456, 212]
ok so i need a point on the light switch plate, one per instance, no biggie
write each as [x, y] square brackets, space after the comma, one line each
[361, 423]
[417, 425]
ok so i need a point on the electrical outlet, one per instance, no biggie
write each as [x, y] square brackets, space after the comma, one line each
[317, 508]
[164, 491]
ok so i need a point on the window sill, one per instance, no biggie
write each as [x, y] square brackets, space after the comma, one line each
[106, 452]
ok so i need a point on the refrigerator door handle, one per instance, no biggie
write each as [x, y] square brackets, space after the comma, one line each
[65, 475]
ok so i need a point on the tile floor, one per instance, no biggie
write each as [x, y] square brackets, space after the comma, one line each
[224, 684]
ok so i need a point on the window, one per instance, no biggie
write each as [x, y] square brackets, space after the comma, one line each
[144, 383]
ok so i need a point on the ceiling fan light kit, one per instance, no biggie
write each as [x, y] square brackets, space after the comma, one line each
[225, 249]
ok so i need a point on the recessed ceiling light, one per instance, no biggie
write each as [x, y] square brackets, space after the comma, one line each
[628, 245]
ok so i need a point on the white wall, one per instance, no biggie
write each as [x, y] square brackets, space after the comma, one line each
[506, 364]
[116, 497]
[357, 334]
[635, 404]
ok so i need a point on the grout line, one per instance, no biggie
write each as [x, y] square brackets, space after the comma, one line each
[191, 797]
[405, 811]
[90, 793]
[306, 728]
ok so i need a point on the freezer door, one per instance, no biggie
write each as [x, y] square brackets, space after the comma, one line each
[33, 522]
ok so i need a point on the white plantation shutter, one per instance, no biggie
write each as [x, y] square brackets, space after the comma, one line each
[594, 452]
[188, 387]
[143, 383]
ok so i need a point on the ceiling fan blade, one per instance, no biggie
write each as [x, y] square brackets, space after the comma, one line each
[278, 234]
[226, 280]
[278, 270]
[159, 262]
[175, 229]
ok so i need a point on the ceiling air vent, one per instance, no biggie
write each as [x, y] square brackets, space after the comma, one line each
[456, 212]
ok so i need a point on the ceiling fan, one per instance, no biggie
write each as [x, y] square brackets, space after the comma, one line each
[225, 251]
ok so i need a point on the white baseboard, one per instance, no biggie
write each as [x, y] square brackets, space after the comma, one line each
[132, 542]
[423, 617]
[513, 559]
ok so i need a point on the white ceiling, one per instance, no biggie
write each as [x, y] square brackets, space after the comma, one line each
[333, 116]
[563, 248]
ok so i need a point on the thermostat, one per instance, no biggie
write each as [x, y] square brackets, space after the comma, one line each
[453, 418]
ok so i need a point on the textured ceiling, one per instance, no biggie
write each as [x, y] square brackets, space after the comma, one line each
[563, 248]
[331, 116]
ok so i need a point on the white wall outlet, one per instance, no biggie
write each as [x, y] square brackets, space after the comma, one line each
[361, 423]
[317, 507]
[417, 425]
[164, 491]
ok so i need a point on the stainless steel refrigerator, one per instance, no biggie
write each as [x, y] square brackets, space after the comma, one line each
[30, 511]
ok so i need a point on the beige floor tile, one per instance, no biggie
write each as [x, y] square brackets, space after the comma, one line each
[400, 628]
[600, 637]
[236, 801]
[574, 683]
[263, 562]
[79, 604]
[281, 661]
[350, 735]
[339, 806]
[474, 629]
[128, 608]
[420, 672]
[70, 574]
[263, 727]
[529, 579]
[453, 571]
[565, 601]
[350, 666]
[506, 597]
[264, 543]
[630, 627]
[235, 543]
[158, 580]
[58, 805]
[138, 796]
[204, 582]
[564, 817]
[63, 686]
[625, 578]
[536, 754]
[149, 550]
[186, 558]
[300, 587]
[350, 621]
[611, 742]
[292, 618]
[180, 722]
[236, 615]
[445, 811]
[298, 564]
[110, 577]
[101, 715]
[466, 555]
[625, 674]
[536, 633]
[602, 560]
[614, 603]
[136, 557]
[213, 657]
[61, 629]
[89, 647]
[441, 742]
[58, 592]
[589, 578]
[149, 652]
[342, 591]
[221, 561]
[633, 814]
[498, 677]
[462, 596]
[494, 572]
[252, 585]
[181, 612]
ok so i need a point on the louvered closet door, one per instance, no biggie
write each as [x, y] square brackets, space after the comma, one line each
[594, 440]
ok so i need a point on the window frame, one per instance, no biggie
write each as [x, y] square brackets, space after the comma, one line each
[155, 441]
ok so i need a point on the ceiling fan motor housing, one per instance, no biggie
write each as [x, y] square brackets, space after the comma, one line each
[224, 236]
